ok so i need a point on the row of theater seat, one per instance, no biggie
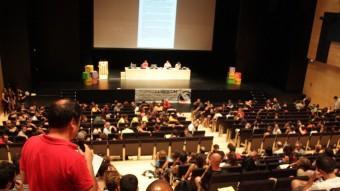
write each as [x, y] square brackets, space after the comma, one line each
[269, 180]
[258, 141]
[131, 147]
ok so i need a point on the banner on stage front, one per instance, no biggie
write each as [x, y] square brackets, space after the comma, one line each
[173, 95]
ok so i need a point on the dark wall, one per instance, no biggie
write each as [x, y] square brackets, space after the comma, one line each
[273, 38]
[55, 38]
[14, 44]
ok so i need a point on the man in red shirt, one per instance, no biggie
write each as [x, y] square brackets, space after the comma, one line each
[52, 162]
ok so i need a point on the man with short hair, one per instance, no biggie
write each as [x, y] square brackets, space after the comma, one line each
[202, 182]
[324, 178]
[129, 182]
[159, 185]
[52, 162]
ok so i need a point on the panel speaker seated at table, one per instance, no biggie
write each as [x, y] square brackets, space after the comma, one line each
[132, 65]
[167, 65]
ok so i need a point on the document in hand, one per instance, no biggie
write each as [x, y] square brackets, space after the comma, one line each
[96, 162]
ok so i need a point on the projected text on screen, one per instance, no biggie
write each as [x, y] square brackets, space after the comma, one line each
[156, 23]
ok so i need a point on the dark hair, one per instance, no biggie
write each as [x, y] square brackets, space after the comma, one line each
[268, 151]
[248, 164]
[7, 174]
[129, 182]
[232, 160]
[326, 164]
[183, 157]
[200, 160]
[61, 112]
[329, 152]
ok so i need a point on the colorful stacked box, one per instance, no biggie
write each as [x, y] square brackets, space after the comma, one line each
[89, 68]
[234, 77]
[94, 76]
[238, 78]
[86, 76]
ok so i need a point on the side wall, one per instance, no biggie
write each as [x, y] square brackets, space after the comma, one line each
[322, 79]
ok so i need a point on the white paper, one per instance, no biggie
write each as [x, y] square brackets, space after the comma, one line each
[229, 188]
[96, 162]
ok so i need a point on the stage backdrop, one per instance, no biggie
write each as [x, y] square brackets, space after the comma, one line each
[173, 95]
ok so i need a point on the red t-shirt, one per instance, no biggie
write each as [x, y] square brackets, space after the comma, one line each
[54, 165]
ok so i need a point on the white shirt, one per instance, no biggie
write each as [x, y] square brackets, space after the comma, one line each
[217, 115]
[191, 127]
[167, 65]
[127, 130]
[337, 104]
[107, 131]
[326, 185]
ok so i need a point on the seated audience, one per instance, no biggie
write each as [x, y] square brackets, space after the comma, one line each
[324, 177]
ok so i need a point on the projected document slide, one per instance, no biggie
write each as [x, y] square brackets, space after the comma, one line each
[156, 23]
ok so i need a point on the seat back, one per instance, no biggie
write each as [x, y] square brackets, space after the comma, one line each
[314, 140]
[3, 152]
[283, 184]
[324, 139]
[131, 147]
[116, 148]
[282, 138]
[192, 144]
[223, 180]
[334, 141]
[262, 185]
[147, 146]
[304, 140]
[177, 144]
[282, 173]
[206, 142]
[292, 139]
[15, 150]
[232, 169]
[269, 141]
[256, 142]
[100, 147]
[199, 133]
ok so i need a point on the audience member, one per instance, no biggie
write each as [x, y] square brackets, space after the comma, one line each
[7, 177]
[167, 65]
[159, 185]
[50, 161]
[324, 177]
[214, 168]
[336, 103]
[129, 182]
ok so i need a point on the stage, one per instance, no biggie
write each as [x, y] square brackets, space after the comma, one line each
[115, 88]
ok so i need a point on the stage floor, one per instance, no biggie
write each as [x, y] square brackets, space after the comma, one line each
[114, 82]
[49, 90]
